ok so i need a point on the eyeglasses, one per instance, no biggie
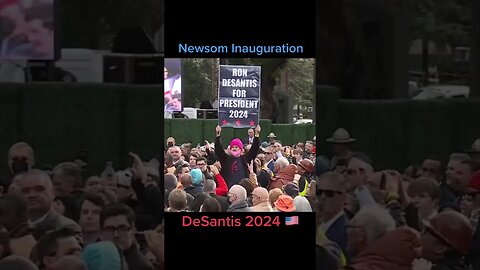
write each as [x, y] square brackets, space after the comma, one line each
[120, 229]
[201, 164]
[328, 192]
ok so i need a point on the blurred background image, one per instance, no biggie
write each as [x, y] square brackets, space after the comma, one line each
[27, 29]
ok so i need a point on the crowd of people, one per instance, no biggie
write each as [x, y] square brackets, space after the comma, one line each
[423, 218]
[245, 176]
[60, 218]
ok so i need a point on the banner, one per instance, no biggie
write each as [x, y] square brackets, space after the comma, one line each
[239, 96]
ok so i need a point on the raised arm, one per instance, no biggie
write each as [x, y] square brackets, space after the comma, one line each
[221, 155]
[252, 154]
[222, 188]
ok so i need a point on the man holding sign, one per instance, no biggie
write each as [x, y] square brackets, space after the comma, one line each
[235, 163]
[239, 96]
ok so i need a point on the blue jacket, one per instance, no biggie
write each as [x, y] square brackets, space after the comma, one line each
[337, 233]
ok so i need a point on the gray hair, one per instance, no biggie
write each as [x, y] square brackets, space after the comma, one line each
[282, 162]
[460, 157]
[362, 164]
[70, 171]
[209, 186]
[375, 220]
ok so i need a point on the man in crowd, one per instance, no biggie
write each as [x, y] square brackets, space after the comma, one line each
[234, 164]
[118, 225]
[36, 187]
[340, 142]
[54, 245]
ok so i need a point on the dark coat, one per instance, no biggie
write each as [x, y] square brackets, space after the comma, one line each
[135, 259]
[337, 232]
[226, 160]
[239, 207]
[193, 190]
[473, 257]
[200, 198]
[52, 221]
[150, 205]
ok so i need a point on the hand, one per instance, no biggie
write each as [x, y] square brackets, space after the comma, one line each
[392, 182]
[421, 264]
[250, 167]
[258, 129]
[138, 168]
[207, 145]
[156, 244]
[258, 162]
[218, 130]
[214, 169]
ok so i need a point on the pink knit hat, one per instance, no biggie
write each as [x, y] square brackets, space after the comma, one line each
[236, 142]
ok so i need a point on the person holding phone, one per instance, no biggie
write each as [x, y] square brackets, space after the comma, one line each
[117, 222]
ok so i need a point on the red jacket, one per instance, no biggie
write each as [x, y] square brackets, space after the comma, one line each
[222, 188]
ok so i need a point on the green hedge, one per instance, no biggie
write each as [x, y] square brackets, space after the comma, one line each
[198, 130]
[396, 133]
[57, 119]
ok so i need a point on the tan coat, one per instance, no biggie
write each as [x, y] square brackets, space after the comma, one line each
[22, 246]
[262, 207]
[283, 177]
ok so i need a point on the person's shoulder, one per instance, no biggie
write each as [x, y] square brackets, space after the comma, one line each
[65, 221]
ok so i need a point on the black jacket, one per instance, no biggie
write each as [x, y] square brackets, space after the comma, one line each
[226, 160]
[473, 255]
[136, 260]
[150, 205]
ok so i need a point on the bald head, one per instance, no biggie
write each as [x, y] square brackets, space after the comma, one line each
[186, 180]
[359, 164]
[18, 263]
[70, 262]
[261, 193]
[36, 187]
[239, 193]
[39, 174]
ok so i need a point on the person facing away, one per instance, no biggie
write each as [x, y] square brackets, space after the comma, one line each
[237, 196]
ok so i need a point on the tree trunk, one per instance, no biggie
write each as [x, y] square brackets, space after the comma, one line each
[268, 85]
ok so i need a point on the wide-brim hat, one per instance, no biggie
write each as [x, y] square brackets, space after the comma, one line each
[341, 136]
[271, 135]
[475, 147]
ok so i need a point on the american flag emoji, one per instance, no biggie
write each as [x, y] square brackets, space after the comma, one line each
[291, 220]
